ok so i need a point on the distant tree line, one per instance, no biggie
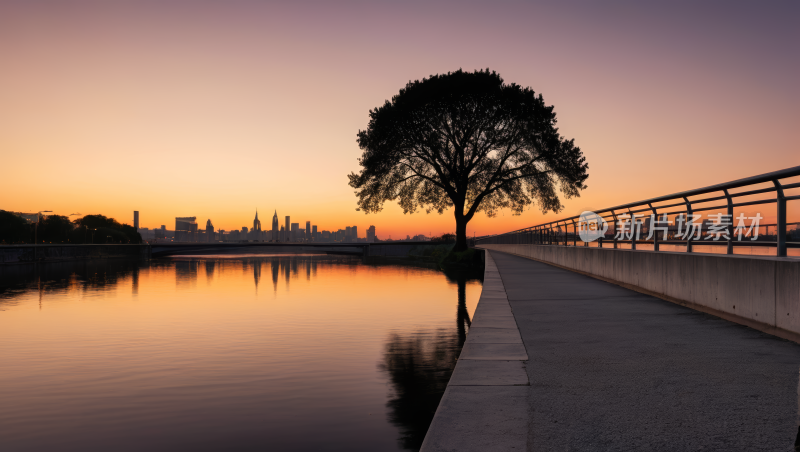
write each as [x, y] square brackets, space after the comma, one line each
[448, 237]
[59, 229]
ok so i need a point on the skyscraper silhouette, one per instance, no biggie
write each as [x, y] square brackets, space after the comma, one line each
[275, 231]
[209, 231]
[256, 231]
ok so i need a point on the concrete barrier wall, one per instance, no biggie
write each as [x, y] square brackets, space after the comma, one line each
[20, 254]
[390, 250]
[761, 292]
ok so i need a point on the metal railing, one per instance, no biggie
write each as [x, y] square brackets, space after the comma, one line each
[680, 206]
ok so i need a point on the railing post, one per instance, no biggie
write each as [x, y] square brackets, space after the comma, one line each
[557, 234]
[585, 243]
[634, 230]
[616, 233]
[781, 223]
[688, 212]
[654, 219]
[730, 225]
[574, 233]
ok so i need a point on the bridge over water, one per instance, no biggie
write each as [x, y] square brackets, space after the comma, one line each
[386, 249]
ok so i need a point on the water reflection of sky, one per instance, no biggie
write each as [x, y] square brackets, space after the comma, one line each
[234, 353]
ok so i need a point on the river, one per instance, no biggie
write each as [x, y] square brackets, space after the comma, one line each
[257, 352]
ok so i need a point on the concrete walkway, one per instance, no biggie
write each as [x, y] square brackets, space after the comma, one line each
[612, 369]
[485, 405]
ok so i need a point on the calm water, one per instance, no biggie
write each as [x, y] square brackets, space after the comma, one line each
[295, 353]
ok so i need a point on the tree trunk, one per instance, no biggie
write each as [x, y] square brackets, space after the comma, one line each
[461, 233]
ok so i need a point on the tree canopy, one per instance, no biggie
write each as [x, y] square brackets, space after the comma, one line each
[469, 141]
[56, 229]
[14, 229]
[108, 230]
[59, 229]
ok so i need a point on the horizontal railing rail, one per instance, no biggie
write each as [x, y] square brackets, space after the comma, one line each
[628, 229]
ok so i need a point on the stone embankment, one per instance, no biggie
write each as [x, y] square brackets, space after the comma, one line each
[485, 405]
[22, 254]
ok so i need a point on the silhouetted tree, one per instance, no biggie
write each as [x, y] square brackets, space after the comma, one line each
[55, 229]
[98, 221]
[468, 141]
[14, 229]
[447, 237]
[107, 230]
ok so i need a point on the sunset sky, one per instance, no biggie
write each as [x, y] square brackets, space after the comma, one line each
[214, 109]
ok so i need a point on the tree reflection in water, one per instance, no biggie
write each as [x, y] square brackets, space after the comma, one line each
[53, 277]
[419, 366]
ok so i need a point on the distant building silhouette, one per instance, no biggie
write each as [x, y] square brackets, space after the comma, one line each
[136, 220]
[308, 231]
[210, 231]
[256, 232]
[275, 237]
[185, 229]
[371, 234]
[286, 234]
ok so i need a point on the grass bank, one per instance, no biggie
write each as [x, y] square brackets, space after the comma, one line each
[445, 258]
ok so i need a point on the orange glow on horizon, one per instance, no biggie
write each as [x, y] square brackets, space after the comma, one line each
[215, 111]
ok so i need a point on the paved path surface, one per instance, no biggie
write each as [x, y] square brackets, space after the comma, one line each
[612, 369]
[485, 405]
